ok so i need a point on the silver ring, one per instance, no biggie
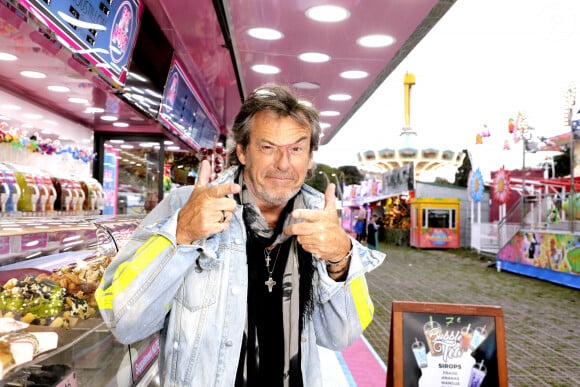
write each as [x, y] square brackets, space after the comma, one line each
[224, 216]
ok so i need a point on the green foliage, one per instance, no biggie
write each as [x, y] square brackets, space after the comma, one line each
[351, 174]
[324, 174]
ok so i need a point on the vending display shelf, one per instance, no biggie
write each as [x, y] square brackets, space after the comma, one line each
[49, 270]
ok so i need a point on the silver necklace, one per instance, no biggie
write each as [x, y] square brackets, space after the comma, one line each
[270, 282]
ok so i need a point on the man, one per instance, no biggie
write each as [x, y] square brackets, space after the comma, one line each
[247, 274]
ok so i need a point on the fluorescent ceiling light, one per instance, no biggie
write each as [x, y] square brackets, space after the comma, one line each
[324, 125]
[265, 69]
[121, 124]
[314, 57]
[329, 113]
[339, 97]
[117, 141]
[109, 118]
[265, 33]
[126, 146]
[376, 41]
[327, 13]
[354, 74]
[137, 77]
[173, 148]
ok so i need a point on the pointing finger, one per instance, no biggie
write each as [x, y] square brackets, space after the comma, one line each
[204, 174]
[329, 198]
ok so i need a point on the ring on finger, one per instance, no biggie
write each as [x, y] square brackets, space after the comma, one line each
[224, 216]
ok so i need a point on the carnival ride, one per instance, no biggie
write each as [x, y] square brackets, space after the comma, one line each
[408, 149]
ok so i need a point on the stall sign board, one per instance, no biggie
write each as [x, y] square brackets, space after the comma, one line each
[183, 112]
[110, 180]
[444, 345]
[103, 32]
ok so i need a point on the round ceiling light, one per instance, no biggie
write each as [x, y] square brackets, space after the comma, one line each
[376, 41]
[58, 89]
[32, 74]
[327, 13]
[306, 85]
[265, 33]
[339, 97]
[77, 100]
[7, 57]
[354, 74]
[265, 69]
[314, 57]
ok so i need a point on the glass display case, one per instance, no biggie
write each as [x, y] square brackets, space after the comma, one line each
[51, 332]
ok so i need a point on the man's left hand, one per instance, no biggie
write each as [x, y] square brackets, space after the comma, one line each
[321, 233]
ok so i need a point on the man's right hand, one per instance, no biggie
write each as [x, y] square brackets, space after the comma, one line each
[208, 210]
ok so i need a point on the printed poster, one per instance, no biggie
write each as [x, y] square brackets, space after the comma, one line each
[441, 350]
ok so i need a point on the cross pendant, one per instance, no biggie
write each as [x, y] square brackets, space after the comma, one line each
[270, 283]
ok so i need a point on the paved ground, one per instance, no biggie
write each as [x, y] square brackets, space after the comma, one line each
[542, 320]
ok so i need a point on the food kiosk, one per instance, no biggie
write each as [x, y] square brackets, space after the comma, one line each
[435, 222]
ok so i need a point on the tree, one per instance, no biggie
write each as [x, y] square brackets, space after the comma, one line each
[351, 174]
[462, 174]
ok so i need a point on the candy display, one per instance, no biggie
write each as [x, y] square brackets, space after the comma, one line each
[57, 299]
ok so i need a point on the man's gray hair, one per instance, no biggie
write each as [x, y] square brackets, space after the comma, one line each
[277, 99]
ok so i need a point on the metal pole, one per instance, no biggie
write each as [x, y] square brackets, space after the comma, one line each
[572, 185]
[523, 223]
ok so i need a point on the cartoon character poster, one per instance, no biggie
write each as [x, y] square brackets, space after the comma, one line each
[441, 350]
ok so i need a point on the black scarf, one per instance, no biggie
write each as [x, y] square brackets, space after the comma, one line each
[297, 290]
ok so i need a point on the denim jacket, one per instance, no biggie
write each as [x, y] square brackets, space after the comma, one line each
[202, 288]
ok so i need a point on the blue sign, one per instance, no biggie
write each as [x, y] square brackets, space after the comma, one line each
[102, 32]
[182, 112]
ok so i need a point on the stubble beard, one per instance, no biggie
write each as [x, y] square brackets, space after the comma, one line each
[269, 198]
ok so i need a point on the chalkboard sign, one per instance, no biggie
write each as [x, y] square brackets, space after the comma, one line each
[445, 345]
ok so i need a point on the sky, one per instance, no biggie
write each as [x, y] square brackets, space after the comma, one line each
[482, 63]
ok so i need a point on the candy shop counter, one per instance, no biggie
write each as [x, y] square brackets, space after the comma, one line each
[51, 332]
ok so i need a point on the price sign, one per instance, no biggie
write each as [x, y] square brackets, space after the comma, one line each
[444, 345]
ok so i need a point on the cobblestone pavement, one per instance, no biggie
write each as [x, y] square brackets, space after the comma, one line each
[542, 319]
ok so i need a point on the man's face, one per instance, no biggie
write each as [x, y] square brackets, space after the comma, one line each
[276, 160]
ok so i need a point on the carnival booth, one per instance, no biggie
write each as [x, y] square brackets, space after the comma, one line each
[435, 222]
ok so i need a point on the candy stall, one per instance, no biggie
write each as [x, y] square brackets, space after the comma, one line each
[50, 325]
[435, 222]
